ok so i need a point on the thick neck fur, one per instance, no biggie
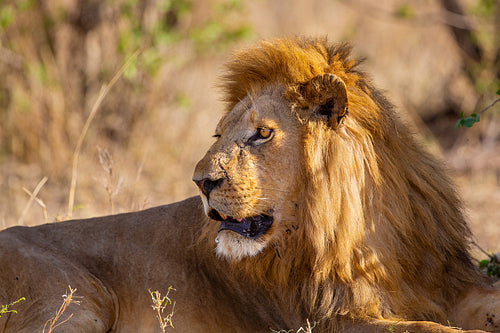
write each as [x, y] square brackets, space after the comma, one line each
[380, 215]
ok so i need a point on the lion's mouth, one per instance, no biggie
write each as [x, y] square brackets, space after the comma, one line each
[251, 227]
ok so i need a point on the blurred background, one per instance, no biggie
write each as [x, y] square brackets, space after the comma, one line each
[62, 65]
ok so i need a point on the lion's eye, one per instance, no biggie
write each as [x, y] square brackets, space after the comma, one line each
[264, 132]
[262, 135]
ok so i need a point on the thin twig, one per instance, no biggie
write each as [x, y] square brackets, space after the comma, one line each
[301, 329]
[308, 329]
[141, 165]
[32, 198]
[159, 305]
[40, 203]
[486, 253]
[102, 94]
[489, 106]
[107, 163]
[133, 205]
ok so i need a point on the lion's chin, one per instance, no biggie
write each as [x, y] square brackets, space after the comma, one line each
[239, 238]
[235, 247]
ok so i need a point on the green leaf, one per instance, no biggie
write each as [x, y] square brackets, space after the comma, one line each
[458, 124]
[468, 122]
[461, 115]
[490, 266]
[476, 117]
[483, 263]
[498, 92]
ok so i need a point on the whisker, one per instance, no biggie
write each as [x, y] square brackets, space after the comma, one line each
[258, 207]
[272, 189]
[255, 209]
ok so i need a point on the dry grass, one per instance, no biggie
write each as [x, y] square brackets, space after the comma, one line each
[308, 329]
[33, 198]
[8, 307]
[56, 321]
[159, 305]
[39, 202]
[112, 189]
[76, 155]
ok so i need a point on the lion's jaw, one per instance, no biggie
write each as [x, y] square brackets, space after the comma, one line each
[246, 179]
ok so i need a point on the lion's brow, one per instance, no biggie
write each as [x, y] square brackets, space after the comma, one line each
[252, 105]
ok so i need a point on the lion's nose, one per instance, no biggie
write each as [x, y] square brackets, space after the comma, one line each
[206, 185]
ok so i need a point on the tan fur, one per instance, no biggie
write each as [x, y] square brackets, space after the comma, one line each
[368, 233]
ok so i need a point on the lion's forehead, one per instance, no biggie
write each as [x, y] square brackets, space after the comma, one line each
[265, 109]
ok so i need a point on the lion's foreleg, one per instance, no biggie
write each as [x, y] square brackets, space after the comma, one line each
[478, 308]
[386, 326]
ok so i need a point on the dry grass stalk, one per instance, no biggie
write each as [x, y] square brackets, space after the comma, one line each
[159, 305]
[31, 199]
[76, 155]
[308, 329]
[134, 205]
[7, 308]
[40, 203]
[141, 166]
[106, 161]
[69, 298]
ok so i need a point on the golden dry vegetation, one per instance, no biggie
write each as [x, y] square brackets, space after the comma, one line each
[152, 124]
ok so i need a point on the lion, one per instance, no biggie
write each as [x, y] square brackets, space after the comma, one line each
[317, 205]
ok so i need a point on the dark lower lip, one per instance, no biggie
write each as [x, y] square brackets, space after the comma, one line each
[250, 227]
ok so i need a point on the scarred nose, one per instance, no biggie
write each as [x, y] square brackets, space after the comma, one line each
[206, 185]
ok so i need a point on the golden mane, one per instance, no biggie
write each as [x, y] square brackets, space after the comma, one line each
[286, 61]
[381, 224]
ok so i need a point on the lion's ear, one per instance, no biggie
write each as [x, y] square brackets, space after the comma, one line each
[326, 95]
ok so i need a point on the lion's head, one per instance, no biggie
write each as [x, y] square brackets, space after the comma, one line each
[250, 179]
[314, 183]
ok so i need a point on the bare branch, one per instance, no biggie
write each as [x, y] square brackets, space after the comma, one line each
[489, 106]
[40, 203]
[32, 198]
